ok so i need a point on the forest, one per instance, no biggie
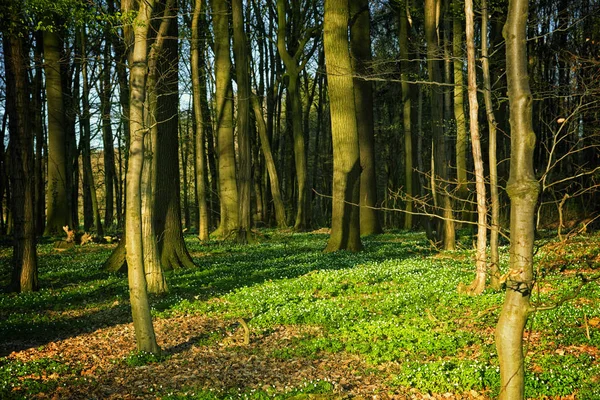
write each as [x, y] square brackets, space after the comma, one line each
[298, 199]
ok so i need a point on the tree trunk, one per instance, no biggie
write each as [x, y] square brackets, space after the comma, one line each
[274, 179]
[58, 212]
[523, 190]
[224, 114]
[360, 45]
[107, 137]
[478, 285]
[240, 53]
[200, 160]
[406, 68]
[85, 135]
[493, 160]
[38, 126]
[345, 224]
[459, 113]
[446, 228]
[24, 260]
[171, 244]
[140, 307]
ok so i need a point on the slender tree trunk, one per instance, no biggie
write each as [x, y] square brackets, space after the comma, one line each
[478, 285]
[493, 160]
[58, 212]
[523, 190]
[240, 53]
[459, 112]
[446, 228]
[224, 114]
[203, 224]
[107, 136]
[405, 66]
[85, 135]
[345, 224]
[360, 45]
[274, 179]
[140, 306]
[24, 260]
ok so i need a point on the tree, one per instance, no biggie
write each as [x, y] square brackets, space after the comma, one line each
[478, 284]
[440, 168]
[345, 224]
[24, 260]
[294, 58]
[360, 45]
[140, 307]
[406, 69]
[200, 160]
[58, 191]
[224, 114]
[523, 191]
[240, 53]
[171, 245]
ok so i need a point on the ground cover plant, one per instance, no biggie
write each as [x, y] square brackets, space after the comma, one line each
[386, 322]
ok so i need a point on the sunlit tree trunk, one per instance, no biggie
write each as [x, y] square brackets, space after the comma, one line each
[360, 45]
[493, 160]
[203, 228]
[140, 307]
[24, 260]
[478, 284]
[224, 115]
[345, 223]
[523, 190]
[58, 213]
[240, 53]
[440, 171]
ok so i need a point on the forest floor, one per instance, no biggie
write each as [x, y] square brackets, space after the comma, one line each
[388, 322]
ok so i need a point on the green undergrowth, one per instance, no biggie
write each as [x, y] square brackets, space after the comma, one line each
[394, 304]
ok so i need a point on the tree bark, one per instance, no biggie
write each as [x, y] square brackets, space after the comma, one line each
[523, 190]
[240, 53]
[57, 197]
[200, 160]
[446, 231]
[224, 114]
[345, 224]
[107, 136]
[24, 260]
[478, 285]
[140, 306]
[273, 177]
[406, 69]
[492, 149]
[360, 45]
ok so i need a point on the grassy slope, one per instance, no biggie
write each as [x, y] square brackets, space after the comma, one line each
[392, 311]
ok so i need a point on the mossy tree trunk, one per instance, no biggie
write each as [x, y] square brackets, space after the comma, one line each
[58, 213]
[523, 190]
[360, 45]
[24, 259]
[140, 306]
[345, 224]
[224, 114]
